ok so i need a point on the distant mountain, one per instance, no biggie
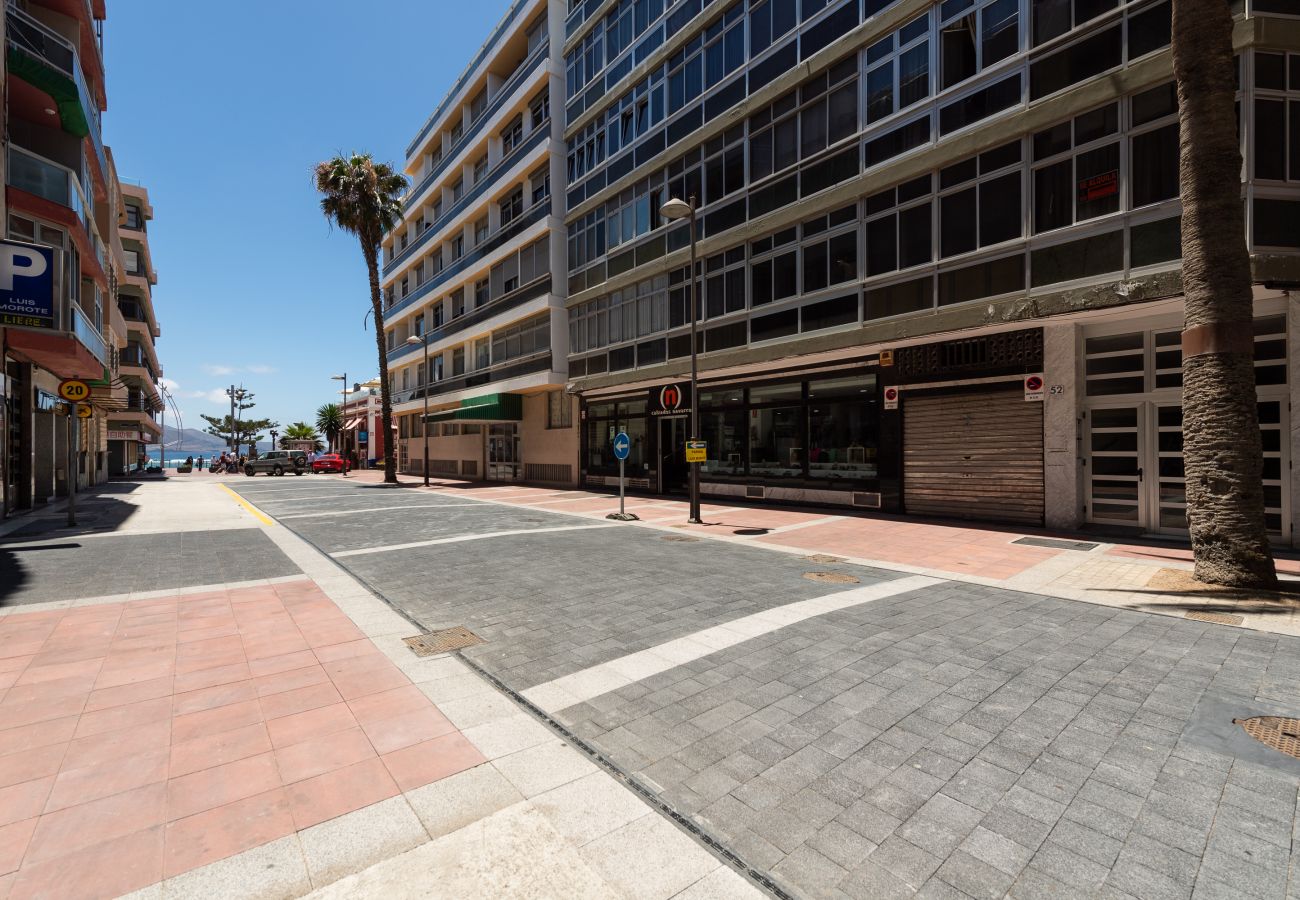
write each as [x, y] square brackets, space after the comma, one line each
[195, 441]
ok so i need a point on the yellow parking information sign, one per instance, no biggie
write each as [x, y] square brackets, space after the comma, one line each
[696, 452]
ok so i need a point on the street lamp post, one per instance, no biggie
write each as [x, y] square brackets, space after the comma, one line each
[274, 434]
[343, 410]
[674, 210]
[425, 421]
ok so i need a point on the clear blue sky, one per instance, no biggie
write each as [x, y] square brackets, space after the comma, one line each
[221, 111]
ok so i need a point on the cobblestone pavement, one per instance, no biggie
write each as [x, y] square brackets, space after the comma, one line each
[889, 738]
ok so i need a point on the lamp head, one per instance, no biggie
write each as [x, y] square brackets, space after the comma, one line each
[414, 341]
[675, 209]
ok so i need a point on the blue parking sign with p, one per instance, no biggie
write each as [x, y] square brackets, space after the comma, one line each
[26, 285]
[622, 445]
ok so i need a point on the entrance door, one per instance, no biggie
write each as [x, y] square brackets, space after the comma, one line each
[1117, 465]
[673, 473]
[503, 453]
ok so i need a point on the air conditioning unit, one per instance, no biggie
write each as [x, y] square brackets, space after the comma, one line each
[755, 492]
[862, 498]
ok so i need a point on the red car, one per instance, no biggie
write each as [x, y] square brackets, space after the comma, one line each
[331, 462]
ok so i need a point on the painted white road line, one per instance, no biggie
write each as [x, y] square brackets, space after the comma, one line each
[460, 538]
[351, 512]
[253, 497]
[587, 684]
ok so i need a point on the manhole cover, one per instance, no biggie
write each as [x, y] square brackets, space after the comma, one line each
[685, 538]
[1216, 618]
[830, 577]
[1273, 731]
[1056, 543]
[824, 558]
[443, 641]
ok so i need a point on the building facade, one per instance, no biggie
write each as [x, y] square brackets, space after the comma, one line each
[62, 196]
[475, 270]
[939, 250]
[135, 422]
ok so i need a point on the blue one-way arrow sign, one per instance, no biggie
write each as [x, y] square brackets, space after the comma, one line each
[622, 445]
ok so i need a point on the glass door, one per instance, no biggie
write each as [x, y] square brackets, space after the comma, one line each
[1171, 481]
[673, 473]
[503, 452]
[1115, 465]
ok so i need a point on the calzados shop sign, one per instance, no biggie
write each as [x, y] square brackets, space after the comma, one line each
[670, 399]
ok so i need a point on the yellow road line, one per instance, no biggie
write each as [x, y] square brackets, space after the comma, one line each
[261, 516]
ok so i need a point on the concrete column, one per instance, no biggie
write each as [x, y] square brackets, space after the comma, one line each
[1061, 427]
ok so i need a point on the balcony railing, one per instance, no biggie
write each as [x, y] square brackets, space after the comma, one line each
[89, 335]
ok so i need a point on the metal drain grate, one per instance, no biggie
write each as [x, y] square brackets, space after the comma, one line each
[831, 577]
[443, 641]
[1216, 618]
[824, 558]
[684, 538]
[1278, 733]
[1056, 543]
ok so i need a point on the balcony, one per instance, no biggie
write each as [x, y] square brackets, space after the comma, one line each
[51, 181]
[89, 336]
[134, 356]
[49, 62]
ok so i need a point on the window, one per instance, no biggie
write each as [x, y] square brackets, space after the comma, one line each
[439, 316]
[587, 150]
[822, 112]
[524, 339]
[457, 247]
[898, 227]
[536, 34]
[724, 283]
[482, 353]
[724, 165]
[458, 303]
[437, 210]
[481, 295]
[843, 428]
[512, 207]
[132, 258]
[478, 105]
[981, 206]
[774, 273]
[1053, 18]
[513, 135]
[1083, 59]
[1076, 170]
[419, 325]
[1277, 117]
[539, 108]
[419, 272]
[724, 45]
[1153, 151]
[480, 168]
[404, 288]
[458, 190]
[833, 259]
[559, 410]
[457, 132]
[777, 436]
[406, 378]
[635, 211]
[769, 21]
[133, 217]
[539, 183]
[458, 361]
[635, 113]
[480, 231]
[436, 363]
[898, 70]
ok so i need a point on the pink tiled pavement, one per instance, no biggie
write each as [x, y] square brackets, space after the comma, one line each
[140, 740]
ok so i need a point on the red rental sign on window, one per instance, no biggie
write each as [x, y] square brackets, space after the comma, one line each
[1098, 186]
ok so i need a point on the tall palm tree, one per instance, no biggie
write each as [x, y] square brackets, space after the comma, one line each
[329, 422]
[300, 431]
[1221, 443]
[363, 198]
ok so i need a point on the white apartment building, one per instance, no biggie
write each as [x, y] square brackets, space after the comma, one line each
[469, 273]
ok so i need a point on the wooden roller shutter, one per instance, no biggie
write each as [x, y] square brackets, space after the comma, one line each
[974, 456]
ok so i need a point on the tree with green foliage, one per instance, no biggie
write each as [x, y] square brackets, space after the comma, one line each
[364, 198]
[329, 422]
[300, 431]
[239, 431]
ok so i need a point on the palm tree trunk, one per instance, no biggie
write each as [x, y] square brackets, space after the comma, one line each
[1221, 443]
[385, 398]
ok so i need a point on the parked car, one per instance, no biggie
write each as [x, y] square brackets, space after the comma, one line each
[277, 462]
[331, 462]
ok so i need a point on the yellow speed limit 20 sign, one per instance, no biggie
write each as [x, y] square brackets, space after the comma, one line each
[74, 391]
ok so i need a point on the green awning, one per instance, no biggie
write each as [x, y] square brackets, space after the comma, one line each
[41, 74]
[488, 408]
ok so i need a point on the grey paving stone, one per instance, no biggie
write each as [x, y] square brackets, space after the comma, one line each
[1000, 852]
[974, 877]
[869, 881]
[905, 860]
